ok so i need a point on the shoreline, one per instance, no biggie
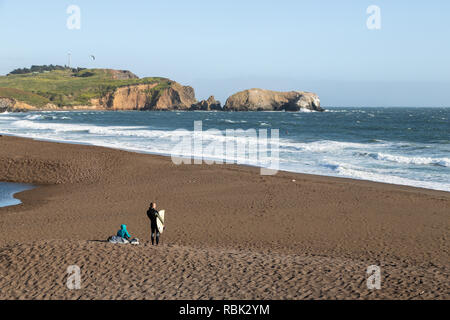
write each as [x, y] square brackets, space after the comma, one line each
[192, 158]
[222, 220]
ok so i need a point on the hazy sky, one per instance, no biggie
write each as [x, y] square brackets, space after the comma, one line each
[220, 47]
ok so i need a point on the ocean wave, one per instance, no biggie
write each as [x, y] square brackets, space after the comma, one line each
[4, 117]
[376, 141]
[325, 145]
[62, 127]
[138, 132]
[349, 171]
[34, 117]
[233, 121]
[336, 111]
[44, 117]
[443, 162]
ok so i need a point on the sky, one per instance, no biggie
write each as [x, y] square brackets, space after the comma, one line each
[221, 47]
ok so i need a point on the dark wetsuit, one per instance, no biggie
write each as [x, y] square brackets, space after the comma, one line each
[153, 216]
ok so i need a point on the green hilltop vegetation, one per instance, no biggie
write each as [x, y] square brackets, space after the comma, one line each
[44, 68]
[62, 86]
[27, 97]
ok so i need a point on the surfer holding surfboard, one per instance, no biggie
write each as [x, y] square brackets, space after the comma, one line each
[156, 222]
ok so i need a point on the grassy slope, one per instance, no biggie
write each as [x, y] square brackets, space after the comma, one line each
[64, 88]
[27, 97]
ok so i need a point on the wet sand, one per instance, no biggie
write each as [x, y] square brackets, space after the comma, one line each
[231, 233]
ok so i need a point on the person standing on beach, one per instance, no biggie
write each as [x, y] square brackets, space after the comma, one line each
[153, 215]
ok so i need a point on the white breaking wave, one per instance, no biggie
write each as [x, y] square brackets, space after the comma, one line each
[326, 145]
[234, 121]
[336, 111]
[353, 172]
[3, 117]
[137, 131]
[443, 162]
[35, 117]
[44, 117]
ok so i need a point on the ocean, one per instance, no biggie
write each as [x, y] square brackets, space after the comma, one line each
[406, 146]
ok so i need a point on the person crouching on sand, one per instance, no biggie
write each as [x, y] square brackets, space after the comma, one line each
[123, 232]
[153, 215]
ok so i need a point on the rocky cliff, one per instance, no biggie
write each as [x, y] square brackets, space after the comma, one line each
[177, 97]
[267, 100]
[148, 97]
[208, 105]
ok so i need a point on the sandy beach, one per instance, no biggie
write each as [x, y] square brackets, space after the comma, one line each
[231, 233]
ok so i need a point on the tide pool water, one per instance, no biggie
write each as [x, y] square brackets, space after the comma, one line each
[407, 146]
[7, 192]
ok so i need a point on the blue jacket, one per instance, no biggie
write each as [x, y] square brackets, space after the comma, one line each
[123, 233]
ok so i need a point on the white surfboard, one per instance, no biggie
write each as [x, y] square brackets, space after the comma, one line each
[158, 222]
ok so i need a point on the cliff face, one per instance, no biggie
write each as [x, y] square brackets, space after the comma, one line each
[177, 97]
[126, 98]
[267, 100]
[148, 97]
